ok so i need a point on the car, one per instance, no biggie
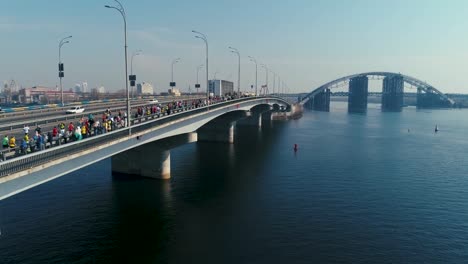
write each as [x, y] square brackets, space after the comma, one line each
[153, 101]
[75, 110]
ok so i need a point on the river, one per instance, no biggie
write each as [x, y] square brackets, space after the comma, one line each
[362, 188]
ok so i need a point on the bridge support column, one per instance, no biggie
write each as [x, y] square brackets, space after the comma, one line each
[321, 101]
[267, 119]
[146, 161]
[255, 120]
[392, 94]
[357, 98]
[152, 160]
[217, 132]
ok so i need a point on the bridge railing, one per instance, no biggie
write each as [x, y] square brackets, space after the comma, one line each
[25, 162]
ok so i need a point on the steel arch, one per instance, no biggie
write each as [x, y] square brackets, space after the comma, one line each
[408, 79]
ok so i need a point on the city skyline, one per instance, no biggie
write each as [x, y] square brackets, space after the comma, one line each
[306, 43]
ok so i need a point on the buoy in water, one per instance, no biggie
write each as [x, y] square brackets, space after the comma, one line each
[295, 147]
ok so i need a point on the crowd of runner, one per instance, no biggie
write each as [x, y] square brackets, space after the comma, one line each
[37, 140]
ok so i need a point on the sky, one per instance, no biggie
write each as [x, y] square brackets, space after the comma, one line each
[305, 42]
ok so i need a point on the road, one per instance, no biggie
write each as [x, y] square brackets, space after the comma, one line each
[47, 121]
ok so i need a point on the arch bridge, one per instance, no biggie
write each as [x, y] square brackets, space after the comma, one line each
[392, 92]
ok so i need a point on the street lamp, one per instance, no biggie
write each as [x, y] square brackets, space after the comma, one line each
[132, 83]
[61, 73]
[121, 10]
[172, 74]
[266, 73]
[234, 50]
[256, 75]
[197, 85]
[274, 81]
[204, 38]
[135, 53]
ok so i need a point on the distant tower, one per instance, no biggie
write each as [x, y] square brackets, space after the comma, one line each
[84, 87]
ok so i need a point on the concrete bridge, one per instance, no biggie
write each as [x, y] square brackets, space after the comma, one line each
[142, 149]
[392, 93]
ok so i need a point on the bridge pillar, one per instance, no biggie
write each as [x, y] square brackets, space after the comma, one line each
[357, 98]
[146, 161]
[321, 101]
[255, 120]
[392, 94]
[152, 160]
[217, 132]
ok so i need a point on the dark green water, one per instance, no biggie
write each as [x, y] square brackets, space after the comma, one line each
[361, 189]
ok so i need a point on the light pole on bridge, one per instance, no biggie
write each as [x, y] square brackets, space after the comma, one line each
[274, 81]
[172, 72]
[234, 50]
[61, 68]
[197, 85]
[266, 73]
[205, 39]
[135, 53]
[256, 75]
[121, 10]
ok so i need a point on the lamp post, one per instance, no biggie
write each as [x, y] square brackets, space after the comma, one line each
[204, 38]
[172, 72]
[234, 50]
[61, 74]
[197, 85]
[256, 75]
[121, 10]
[135, 53]
[274, 81]
[266, 73]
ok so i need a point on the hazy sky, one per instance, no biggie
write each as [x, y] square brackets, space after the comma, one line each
[307, 42]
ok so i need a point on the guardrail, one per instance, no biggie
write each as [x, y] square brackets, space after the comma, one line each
[41, 157]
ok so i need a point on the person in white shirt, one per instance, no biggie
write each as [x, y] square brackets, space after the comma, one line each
[26, 129]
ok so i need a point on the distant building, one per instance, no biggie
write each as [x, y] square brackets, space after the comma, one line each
[43, 94]
[77, 88]
[221, 87]
[84, 87]
[174, 92]
[145, 88]
[101, 89]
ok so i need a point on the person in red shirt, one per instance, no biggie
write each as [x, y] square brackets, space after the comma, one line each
[54, 132]
[71, 127]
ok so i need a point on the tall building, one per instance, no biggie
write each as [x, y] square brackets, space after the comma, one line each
[145, 88]
[78, 88]
[84, 87]
[221, 87]
[101, 89]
